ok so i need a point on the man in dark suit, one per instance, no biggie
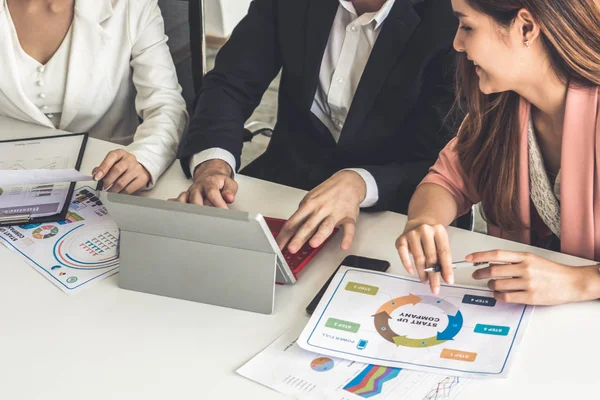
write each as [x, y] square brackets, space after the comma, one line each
[365, 88]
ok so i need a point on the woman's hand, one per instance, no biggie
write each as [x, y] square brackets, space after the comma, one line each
[530, 279]
[122, 173]
[428, 243]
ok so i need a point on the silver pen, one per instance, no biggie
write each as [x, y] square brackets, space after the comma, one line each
[438, 267]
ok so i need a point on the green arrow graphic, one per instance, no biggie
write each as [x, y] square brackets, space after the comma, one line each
[407, 342]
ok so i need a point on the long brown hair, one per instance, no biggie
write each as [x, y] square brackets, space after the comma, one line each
[488, 140]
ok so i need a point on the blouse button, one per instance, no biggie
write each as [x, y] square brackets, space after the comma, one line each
[40, 83]
[41, 68]
[44, 108]
[42, 96]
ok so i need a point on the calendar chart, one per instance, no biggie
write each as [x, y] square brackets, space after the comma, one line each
[89, 247]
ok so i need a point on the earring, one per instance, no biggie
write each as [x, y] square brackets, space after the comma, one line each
[527, 43]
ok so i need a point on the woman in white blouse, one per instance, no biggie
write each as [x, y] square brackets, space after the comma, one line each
[97, 66]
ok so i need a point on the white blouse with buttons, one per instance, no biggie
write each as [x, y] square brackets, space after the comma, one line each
[45, 84]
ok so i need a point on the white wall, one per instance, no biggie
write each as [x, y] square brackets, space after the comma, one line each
[223, 15]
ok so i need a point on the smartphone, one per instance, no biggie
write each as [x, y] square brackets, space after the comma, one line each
[370, 264]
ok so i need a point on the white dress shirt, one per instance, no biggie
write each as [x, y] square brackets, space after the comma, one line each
[350, 43]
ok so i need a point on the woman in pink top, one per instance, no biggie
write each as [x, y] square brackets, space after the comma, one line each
[528, 79]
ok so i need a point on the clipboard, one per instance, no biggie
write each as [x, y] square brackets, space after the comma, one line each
[33, 204]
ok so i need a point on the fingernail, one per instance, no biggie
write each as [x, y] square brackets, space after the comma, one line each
[451, 279]
[436, 290]
[99, 175]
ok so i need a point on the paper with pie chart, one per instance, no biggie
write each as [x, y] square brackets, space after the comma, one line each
[389, 320]
[288, 369]
[73, 253]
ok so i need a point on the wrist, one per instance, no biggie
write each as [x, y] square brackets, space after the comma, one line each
[357, 182]
[216, 165]
[418, 221]
[588, 282]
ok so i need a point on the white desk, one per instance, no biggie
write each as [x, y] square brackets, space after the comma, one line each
[108, 343]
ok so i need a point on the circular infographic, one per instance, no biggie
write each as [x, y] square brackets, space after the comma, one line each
[89, 247]
[321, 364]
[384, 315]
[45, 232]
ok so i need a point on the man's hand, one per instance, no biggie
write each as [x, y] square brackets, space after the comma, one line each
[212, 185]
[122, 173]
[334, 202]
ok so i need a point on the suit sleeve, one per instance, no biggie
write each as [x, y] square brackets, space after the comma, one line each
[426, 130]
[158, 101]
[244, 68]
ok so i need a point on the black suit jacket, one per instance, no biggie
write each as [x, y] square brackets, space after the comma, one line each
[395, 126]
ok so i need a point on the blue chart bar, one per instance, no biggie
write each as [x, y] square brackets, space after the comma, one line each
[479, 300]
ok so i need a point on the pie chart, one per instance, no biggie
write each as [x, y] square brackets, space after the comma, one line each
[322, 364]
[45, 232]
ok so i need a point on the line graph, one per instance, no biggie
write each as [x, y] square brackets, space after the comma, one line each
[52, 162]
[443, 389]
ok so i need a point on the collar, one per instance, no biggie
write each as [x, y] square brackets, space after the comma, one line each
[376, 17]
[94, 10]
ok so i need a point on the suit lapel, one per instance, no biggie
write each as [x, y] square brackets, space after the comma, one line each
[89, 40]
[395, 33]
[10, 84]
[319, 21]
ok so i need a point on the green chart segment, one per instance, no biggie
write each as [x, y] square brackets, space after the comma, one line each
[383, 315]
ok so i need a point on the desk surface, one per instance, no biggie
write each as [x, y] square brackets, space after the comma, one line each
[109, 343]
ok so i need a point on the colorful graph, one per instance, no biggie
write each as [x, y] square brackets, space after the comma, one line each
[89, 246]
[443, 389]
[45, 232]
[41, 191]
[369, 382]
[322, 364]
[73, 217]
